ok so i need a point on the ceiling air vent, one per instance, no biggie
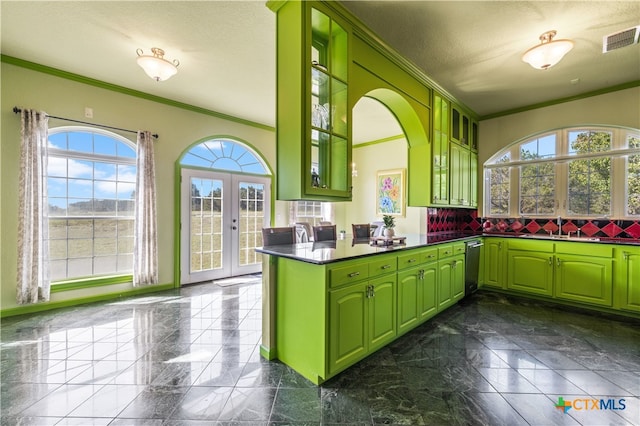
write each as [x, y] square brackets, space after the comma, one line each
[620, 39]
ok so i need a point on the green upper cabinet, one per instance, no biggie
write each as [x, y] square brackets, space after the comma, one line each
[313, 113]
[440, 148]
[464, 128]
[455, 159]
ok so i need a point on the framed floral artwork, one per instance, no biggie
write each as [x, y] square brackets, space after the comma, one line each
[390, 192]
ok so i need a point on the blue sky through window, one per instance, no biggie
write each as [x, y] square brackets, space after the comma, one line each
[223, 154]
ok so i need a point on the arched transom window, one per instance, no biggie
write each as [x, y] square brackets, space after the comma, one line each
[225, 154]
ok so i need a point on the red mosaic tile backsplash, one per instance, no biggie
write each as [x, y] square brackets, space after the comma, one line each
[467, 220]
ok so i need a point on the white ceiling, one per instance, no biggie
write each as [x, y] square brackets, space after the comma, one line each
[227, 53]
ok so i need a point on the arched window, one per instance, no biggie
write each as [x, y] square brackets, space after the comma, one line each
[577, 172]
[91, 179]
[224, 154]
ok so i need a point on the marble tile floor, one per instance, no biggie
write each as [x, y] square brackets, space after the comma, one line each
[191, 357]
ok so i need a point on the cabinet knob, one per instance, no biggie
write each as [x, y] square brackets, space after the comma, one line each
[625, 255]
[354, 274]
[386, 267]
[411, 260]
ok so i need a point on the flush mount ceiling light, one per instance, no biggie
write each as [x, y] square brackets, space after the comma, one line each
[548, 53]
[156, 66]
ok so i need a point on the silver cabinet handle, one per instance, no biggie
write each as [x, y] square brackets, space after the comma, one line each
[386, 267]
[354, 274]
[550, 261]
[625, 255]
[411, 260]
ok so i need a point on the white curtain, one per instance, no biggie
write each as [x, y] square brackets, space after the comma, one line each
[145, 243]
[33, 280]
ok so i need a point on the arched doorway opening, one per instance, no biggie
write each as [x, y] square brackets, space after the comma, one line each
[225, 195]
[388, 135]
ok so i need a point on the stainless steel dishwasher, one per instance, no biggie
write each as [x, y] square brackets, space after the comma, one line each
[472, 265]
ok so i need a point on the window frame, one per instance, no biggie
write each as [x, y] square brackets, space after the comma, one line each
[618, 153]
[95, 279]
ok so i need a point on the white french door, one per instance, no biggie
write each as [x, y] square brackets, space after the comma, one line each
[222, 216]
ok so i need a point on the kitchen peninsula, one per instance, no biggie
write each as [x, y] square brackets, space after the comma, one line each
[332, 303]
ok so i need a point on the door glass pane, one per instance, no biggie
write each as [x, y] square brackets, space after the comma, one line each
[338, 163]
[206, 224]
[251, 215]
[338, 113]
[339, 62]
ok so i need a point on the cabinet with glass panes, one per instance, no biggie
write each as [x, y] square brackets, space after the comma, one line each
[313, 120]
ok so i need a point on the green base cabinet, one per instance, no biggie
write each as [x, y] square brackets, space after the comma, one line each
[361, 320]
[493, 262]
[417, 281]
[330, 316]
[530, 271]
[584, 279]
[417, 289]
[629, 279]
[427, 293]
[409, 283]
[450, 275]
[598, 275]
[348, 322]
[382, 312]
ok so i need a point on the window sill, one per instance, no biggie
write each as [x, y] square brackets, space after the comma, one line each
[89, 282]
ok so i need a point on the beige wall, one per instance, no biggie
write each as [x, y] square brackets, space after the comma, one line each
[620, 108]
[178, 128]
[369, 159]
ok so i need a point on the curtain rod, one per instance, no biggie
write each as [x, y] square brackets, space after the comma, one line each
[18, 110]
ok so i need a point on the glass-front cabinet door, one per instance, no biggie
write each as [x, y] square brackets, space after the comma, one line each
[313, 112]
[328, 156]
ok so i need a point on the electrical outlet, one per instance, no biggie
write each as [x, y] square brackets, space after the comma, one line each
[88, 112]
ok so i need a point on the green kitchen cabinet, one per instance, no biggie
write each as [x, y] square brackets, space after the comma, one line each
[408, 298]
[584, 273]
[417, 288]
[440, 150]
[530, 271]
[428, 306]
[382, 312]
[473, 179]
[629, 279]
[494, 262]
[455, 158]
[464, 129]
[361, 320]
[460, 191]
[474, 136]
[450, 275]
[411, 287]
[348, 325]
[313, 118]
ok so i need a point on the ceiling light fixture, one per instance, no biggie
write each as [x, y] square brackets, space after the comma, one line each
[156, 66]
[548, 53]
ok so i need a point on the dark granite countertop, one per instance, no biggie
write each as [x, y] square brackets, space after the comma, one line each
[545, 237]
[343, 249]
